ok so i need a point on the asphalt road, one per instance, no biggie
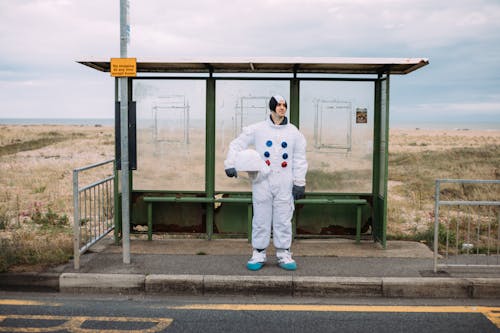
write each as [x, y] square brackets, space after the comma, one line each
[37, 312]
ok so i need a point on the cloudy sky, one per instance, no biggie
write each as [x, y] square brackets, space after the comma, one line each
[41, 40]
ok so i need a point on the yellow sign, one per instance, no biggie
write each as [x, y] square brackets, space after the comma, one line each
[123, 67]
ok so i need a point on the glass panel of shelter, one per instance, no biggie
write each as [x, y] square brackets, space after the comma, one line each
[337, 120]
[170, 135]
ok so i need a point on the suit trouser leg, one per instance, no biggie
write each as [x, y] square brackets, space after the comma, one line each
[262, 215]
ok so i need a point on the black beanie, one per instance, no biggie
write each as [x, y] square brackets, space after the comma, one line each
[273, 102]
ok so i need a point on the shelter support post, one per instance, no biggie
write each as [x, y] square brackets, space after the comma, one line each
[210, 154]
[381, 158]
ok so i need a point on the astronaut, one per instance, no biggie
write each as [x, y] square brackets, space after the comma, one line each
[279, 180]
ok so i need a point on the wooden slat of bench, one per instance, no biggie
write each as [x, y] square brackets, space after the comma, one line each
[318, 201]
[179, 199]
[234, 200]
[197, 199]
[325, 201]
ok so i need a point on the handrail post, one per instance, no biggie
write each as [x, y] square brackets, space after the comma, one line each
[436, 224]
[76, 219]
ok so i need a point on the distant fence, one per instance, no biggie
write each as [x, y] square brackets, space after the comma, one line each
[93, 209]
[466, 225]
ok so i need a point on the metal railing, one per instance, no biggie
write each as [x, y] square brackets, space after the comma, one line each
[93, 210]
[466, 224]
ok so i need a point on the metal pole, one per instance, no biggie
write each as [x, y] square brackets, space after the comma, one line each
[124, 38]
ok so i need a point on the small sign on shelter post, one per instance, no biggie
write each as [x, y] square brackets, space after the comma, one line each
[123, 67]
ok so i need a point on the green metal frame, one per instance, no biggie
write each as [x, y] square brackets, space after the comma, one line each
[210, 153]
[365, 206]
[380, 159]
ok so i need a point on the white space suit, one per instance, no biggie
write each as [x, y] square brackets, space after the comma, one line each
[283, 148]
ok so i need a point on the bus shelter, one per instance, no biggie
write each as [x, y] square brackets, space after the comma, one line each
[183, 115]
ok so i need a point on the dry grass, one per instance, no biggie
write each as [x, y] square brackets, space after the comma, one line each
[36, 188]
[418, 157]
[36, 164]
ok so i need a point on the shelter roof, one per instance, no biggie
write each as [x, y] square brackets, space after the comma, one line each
[275, 65]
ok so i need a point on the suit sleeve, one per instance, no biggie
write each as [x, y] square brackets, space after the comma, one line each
[299, 160]
[245, 139]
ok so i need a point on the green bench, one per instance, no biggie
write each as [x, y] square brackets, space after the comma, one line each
[359, 203]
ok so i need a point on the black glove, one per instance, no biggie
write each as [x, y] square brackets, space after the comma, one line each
[231, 172]
[298, 192]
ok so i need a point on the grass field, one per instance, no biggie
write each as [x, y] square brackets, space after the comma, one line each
[36, 205]
[36, 164]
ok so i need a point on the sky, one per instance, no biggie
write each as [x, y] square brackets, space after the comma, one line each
[41, 40]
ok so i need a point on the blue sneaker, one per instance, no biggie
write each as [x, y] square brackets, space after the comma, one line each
[285, 260]
[257, 261]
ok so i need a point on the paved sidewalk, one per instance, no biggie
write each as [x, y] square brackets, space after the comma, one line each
[337, 257]
[333, 267]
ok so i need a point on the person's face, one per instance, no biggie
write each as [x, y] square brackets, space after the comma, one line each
[281, 108]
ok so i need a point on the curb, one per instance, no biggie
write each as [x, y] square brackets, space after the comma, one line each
[324, 286]
[428, 287]
[317, 286]
[296, 286]
[247, 285]
[102, 283]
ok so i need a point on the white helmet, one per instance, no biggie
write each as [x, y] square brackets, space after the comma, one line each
[250, 160]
